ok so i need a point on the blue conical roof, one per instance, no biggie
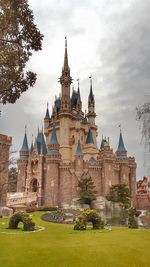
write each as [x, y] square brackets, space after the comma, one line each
[89, 139]
[121, 147]
[79, 151]
[91, 95]
[47, 113]
[25, 144]
[40, 142]
[53, 140]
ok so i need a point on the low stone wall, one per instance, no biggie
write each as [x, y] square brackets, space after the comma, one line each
[143, 201]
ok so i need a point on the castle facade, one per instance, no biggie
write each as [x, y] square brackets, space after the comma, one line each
[67, 150]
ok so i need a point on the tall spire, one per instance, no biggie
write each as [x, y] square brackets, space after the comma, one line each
[66, 66]
[79, 97]
[47, 113]
[25, 146]
[91, 95]
[65, 81]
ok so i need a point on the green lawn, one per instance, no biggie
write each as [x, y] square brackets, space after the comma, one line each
[61, 246]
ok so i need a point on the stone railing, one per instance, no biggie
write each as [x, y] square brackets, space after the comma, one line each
[21, 198]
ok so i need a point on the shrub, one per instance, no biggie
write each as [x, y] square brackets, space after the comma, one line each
[132, 222]
[89, 216]
[80, 223]
[93, 217]
[16, 218]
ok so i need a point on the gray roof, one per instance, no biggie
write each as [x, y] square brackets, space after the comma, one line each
[40, 142]
[25, 144]
[53, 140]
[92, 160]
[89, 139]
[121, 147]
[78, 150]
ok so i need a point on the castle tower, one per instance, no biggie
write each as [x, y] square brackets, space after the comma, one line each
[22, 163]
[52, 176]
[65, 81]
[91, 105]
[46, 121]
[5, 143]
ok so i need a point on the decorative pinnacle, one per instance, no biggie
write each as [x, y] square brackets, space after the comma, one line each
[78, 80]
[25, 128]
[65, 41]
[120, 127]
[90, 80]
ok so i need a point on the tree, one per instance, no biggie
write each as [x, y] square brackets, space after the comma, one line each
[87, 190]
[12, 179]
[143, 117]
[19, 36]
[119, 193]
[4, 182]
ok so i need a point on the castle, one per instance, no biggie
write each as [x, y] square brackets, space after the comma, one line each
[67, 150]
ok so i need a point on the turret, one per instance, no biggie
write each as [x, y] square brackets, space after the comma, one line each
[79, 102]
[91, 105]
[22, 164]
[121, 151]
[46, 121]
[52, 177]
[65, 81]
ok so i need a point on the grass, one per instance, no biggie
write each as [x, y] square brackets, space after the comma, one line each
[60, 246]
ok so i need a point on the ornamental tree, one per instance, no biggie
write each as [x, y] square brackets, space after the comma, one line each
[119, 193]
[87, 190]
[19, 37]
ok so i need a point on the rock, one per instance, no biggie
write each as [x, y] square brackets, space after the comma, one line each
[6, 212]
[69, 218]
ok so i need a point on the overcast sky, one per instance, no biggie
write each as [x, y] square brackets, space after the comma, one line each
[109, 39]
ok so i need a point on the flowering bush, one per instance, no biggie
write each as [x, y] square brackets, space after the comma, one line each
[89, 216]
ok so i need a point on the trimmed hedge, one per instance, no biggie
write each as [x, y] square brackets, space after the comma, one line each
[16, 218]
[88, 216]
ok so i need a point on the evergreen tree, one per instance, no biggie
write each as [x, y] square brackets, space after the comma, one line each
[19, 36]
[87, 190]
[12, 179]
[119, 193]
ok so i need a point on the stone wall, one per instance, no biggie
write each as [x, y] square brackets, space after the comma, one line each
[5, 143]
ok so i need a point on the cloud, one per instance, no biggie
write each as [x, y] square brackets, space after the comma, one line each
[109, 39]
